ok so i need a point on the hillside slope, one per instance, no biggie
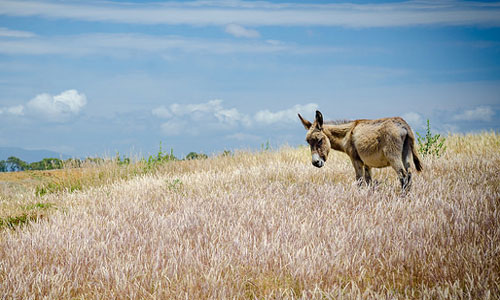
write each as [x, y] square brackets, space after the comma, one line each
[269, 225]
[29, 156]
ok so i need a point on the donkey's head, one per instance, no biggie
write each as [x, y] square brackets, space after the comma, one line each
[317, 139]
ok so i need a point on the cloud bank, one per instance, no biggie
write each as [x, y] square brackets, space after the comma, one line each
[213, 114]
[58, 108]
[240, 31]
[447, 121]
[125, 45]
[5, 32]
[17, 110]
[415, 120]
[287, 115]
[222, 13]
[481, 113]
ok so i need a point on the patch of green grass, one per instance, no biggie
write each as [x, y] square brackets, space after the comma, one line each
[39, 205]
[53, 187]
[31, 213]
[13, 221]
[175, 184]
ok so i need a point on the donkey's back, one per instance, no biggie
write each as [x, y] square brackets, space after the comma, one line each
[380, 142]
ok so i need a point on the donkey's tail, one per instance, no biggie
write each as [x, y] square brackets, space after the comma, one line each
[416, 158]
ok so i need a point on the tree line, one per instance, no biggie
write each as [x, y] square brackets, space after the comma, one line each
[13, 164]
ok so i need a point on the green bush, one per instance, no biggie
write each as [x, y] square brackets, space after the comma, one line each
[431, 144]
[265, 147]
[194, 155]
[154, 160]
[122, 161]
[46, 164]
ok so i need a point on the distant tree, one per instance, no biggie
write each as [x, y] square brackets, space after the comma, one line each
[120, 161]
[94, 160]
[16, 164]
[227, 153]
[164, 156]
[3, 166]
[194, 155]
[46, 164]
[73, 163]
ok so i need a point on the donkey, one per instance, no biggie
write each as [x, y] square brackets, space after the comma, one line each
[369, 143]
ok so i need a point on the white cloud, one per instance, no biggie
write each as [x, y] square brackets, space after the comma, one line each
[59, 107]
[17, 110]
[481, 113]
[274, 42]
[213, 115]
[240, 31]
[232, 117]
[208, 114]
[197, 109]
[240, 136]
[260, 13]
[5, 32]
[414, 119]
[287, 115]
[162, 112]
[126, 45]
[173, 127]
[210, 111]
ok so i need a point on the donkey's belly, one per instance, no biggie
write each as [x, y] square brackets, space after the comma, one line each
[375, 160]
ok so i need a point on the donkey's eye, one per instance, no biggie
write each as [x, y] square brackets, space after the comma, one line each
[320, 142]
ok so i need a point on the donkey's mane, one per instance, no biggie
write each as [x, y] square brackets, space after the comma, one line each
[337, 122]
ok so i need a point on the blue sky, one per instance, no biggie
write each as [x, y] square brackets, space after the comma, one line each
[93, 77]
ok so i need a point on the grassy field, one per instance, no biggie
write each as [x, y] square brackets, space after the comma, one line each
[255, 225]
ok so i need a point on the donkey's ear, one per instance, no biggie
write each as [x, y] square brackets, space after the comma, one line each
[306, 123]
[319, 119]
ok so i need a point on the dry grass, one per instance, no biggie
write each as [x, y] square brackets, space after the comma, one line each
[20, 192]
[269, 225]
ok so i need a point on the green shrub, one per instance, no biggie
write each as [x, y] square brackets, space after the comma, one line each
[194, 155]
[154, 160]
[46, 164]
[265, 147]
[174, 184]
[431, 144]
[120, 161]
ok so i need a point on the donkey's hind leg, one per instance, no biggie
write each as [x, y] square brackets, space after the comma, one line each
[403, 175]
[359, 169]
[367, 175]
[396, 156]
[407, 156]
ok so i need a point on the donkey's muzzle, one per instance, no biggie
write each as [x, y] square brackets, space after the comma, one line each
[317, 161]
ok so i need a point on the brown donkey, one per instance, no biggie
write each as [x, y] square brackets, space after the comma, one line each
[369, 143]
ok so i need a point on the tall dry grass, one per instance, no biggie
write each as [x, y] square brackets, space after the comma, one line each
[270, 225]
[20, 192]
